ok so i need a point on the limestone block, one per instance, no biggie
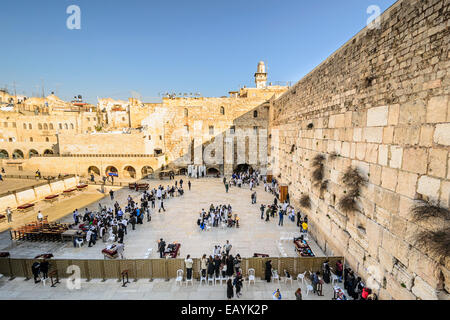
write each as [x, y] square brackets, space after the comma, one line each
[413, 112]
[25, 196]
[389, 178]
[387, 200]
[424, 267]
[402, 276]
[437, 162]
[396, 157]
[408, 135]
[386, 259]
[397, 226]
[426, 135]
[371, 153]
[442, 134]
[429, 186]
[388, 135]
[382, 217]
[445, 194]
[423, 290]
[374, 236]
[377, 117]
[375, 174]
[405, 208]
[394, 112]
[407, 182]
[397, 291]
[357, 134]
[415, 160]
[383, 153]
[437, 109]
[345, 150]
[373, 134]
[361, 151]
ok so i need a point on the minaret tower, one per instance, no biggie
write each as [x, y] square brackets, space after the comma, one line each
[261, 76]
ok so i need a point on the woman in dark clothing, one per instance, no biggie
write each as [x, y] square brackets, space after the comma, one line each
[229, 289]
[326, 272]
[268, 274]
[210, 267]
[238, 284]
[217, 266]
[44, 269]
[230, 264]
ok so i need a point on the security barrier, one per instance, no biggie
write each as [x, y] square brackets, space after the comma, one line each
[156, 268]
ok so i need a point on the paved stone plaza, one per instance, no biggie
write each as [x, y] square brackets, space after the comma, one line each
[158, 289]
[178, 224]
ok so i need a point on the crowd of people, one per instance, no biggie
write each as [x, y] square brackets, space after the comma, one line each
[111, 223]
[217, 215]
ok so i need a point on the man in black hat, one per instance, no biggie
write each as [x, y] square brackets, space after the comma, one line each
[161, 247]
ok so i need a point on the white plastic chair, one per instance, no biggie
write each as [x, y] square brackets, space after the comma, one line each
[301, 276]
[275, 275]
[309, 288]
[189, 280]
[79, 242]
[251, 275]
[218, 279]
[211, 279]
[179, 277]
[334, 278]
[202, 278]
[286, 278]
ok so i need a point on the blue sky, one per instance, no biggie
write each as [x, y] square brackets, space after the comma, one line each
[149, 47]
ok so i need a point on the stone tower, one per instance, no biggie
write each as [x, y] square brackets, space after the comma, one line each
[261, 75]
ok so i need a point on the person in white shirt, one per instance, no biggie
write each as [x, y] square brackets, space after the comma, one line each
[189, 262]
[40, 217]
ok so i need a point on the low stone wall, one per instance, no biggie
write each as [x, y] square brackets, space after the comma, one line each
[36, 193]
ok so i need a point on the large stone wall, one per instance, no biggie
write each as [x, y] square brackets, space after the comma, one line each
[381, 103]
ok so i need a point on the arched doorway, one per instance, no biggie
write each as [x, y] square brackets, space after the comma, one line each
[212, 172]
[4, 154]
[243, 167]
[111, 169]
[17, 154]
[32, 153]
[146, 171]
[129, 172]
[93, 170]
[183, 171]
[48, 152]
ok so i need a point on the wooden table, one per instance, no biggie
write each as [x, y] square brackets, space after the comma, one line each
[71, 234]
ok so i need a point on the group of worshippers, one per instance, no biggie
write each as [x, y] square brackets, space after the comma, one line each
[221, 264]
[222, 214]
[111, 223]
[239, 179]
[273, 187]
[354, 285]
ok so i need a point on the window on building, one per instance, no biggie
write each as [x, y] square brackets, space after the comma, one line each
[149, 137]
[14, 124]
[160, 137]
[25, 126]
[30, 126]
[71, 126]
[66, 126]
[222, 110]
[47, 139]
[186, 112]
[186, 129]
[88, 119]
[255, 130]
[40, 126]
[45, 126]
[31, 139]
[255, 114]
[211, 130]
[232, 129]
[51, 126]
[60, 126]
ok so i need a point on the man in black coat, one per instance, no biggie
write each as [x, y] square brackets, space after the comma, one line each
[161, 247]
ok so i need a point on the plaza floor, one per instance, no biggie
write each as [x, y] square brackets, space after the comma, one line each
[158, 289]
[178, 224]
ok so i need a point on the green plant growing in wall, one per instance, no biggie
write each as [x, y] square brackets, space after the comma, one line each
[305, 201]
[353, 180]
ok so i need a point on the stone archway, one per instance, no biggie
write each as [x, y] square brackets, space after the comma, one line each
[212, 172]
[147, 171]
[17, 154]
[4, 154]
[33, 153]
[94, 170]
[129, 172]
[48, 152]
[243, 167]
[111, 169]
